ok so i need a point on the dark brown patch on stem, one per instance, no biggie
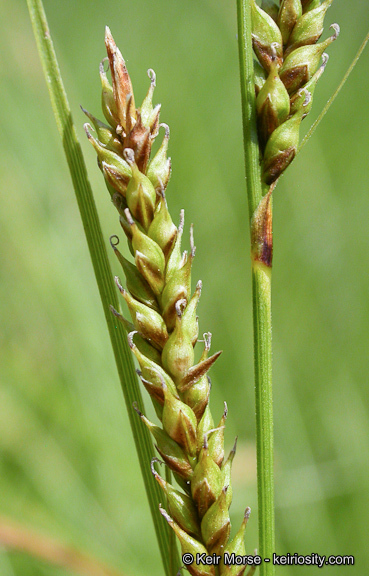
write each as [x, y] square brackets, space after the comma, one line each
[262, 231]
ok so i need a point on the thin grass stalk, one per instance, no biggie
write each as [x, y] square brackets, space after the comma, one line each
[281, 62]
[261, 290]
[250, 135]
[103, 273]
[335, 94]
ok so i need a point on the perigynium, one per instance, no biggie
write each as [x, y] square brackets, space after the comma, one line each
[163, 329]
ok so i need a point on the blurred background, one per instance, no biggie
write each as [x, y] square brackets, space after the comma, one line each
[68, 466]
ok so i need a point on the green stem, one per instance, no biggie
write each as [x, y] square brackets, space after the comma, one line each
[250, 135]
[103, 273]
[261, 291]
[262, 319]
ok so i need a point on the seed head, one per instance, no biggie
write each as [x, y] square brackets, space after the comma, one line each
[286, 48]
[163, 329]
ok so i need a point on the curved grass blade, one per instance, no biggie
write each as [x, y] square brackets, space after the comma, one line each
[103, 273]
[335, 94]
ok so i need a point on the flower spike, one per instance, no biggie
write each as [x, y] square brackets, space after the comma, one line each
[164, 329]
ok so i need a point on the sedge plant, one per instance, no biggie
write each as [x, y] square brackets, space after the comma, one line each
[163, 330]
[281, 61]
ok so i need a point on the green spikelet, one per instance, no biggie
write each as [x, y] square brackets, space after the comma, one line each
[236, 547]
[272, 105]
[301, 64]
[160, 166]
[163, 331]
[190, 545]
[298, 99]
[309, 28]
[206, 484]
[180, 505]
[107, 98]
[216, 525]
[282, 146]
[266, 37]
[289, 13]
[286, 47]
[226, 473]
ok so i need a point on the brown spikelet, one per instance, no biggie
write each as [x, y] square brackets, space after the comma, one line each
[164, 328]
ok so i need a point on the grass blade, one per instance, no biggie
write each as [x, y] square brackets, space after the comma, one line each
[335, 94]
[100, 263]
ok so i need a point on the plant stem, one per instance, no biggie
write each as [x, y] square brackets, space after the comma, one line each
[261, 284]
[250, 135]
[261, 290]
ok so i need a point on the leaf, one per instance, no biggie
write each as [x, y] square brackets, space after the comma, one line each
[335, 94]
[103, 273]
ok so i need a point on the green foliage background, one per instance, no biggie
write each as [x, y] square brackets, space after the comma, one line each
[67, 461]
